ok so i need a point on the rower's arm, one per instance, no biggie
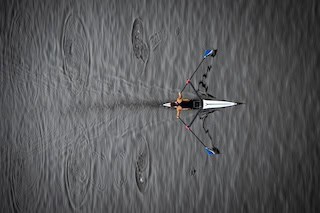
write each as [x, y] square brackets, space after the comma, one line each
[180, 99]
[179, 111]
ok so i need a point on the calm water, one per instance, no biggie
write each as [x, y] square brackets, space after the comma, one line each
[81, 127]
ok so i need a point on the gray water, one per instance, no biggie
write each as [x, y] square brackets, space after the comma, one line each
[81, 126]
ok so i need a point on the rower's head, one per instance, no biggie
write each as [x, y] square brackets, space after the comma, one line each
[173, 104]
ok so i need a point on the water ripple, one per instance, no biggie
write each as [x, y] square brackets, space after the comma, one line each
[27, 171]
[76, 53]
[78, 172]
[140, 48]
[143, 165]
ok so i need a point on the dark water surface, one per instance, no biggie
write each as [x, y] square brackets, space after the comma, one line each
[81, 127]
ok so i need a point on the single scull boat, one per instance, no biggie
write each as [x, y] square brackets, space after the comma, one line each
[201, 104]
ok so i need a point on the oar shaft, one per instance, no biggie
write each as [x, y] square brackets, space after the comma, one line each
[195, 91]
[192, 75]
[199, 140]
[194, 118]
[196, 69]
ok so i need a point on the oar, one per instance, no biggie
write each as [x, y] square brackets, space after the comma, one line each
[209, 151]
[188, 81]
[207, 53]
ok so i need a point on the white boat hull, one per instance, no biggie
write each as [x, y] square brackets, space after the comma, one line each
[210, 104]
[217, 104]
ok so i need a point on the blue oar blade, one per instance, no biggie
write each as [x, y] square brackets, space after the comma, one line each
[209, 151]
[213, 151]
[209, 53]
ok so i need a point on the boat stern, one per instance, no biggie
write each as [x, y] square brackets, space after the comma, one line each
[167, 104]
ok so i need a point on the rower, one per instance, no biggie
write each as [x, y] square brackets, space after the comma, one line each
[181, 104]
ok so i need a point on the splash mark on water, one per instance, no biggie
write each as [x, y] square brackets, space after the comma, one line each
[77, 176]
[119, 170]
[76, 54]
[157, 38]
[140, 48]
[143, 165]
